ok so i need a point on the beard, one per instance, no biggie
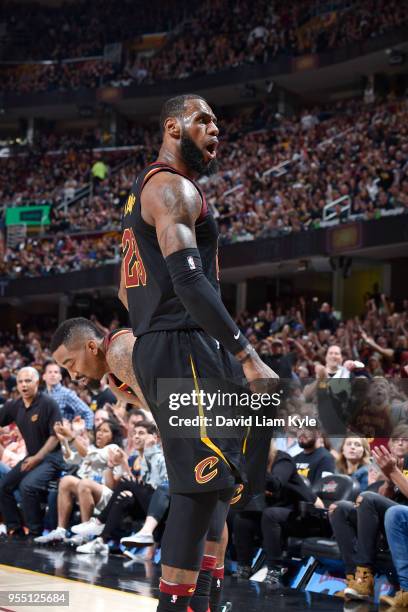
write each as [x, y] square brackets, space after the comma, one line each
[308, 444]
[194, 158]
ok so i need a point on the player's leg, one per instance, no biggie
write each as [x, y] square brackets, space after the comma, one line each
[217, 581]
[183, 547]
[212, 551]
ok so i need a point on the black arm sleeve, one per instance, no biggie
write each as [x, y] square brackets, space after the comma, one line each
[202, 301]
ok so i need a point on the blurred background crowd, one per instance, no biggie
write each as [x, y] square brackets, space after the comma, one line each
[349, 151]
[241, 34]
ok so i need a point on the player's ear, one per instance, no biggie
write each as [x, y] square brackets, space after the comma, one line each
[92, 346]
[172, 127]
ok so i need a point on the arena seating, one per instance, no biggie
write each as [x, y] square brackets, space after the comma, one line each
[269, 184]
[239, 35]
[41, 32]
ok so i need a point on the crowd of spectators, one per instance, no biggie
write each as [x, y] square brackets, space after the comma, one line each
[54, 168]
[278, 180]
[305, 330]
[113, 468]
[296, 339]
[27, 78]
[79, 29]
[241, 33]
[59, 255]
[256, 33]
[277, 175]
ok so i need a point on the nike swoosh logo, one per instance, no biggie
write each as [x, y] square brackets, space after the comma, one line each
[236, 336]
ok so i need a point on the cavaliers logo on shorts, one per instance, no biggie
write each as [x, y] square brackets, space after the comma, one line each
[203, 470]
[237, 494]
[34, 418]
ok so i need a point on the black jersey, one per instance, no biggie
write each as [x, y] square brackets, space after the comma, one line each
[153, 304]
[170, 342]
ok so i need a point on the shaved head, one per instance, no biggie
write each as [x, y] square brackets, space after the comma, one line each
[77, 347]
[175, 107]
[73, 331]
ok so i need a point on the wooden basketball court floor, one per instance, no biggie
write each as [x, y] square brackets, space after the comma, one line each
[114, 584]
[82, 596]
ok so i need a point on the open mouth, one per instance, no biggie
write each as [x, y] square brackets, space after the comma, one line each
[211, 150]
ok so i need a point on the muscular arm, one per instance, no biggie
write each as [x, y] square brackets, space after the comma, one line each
[119, 358]
[174, 205]
[176, 208]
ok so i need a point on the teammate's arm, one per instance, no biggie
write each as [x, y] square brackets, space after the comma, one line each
[174, 205]
[119, 358]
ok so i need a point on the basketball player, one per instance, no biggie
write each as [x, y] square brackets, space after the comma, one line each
[79, 346]
[169, 283]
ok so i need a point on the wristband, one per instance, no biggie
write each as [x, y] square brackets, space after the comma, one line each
[250, 353]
